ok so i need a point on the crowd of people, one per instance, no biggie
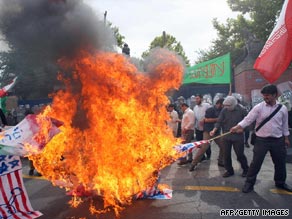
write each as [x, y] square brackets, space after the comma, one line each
[230, 124]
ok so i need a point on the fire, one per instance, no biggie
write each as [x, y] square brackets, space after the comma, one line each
[114, 139]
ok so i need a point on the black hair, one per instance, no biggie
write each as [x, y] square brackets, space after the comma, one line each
[184, 104]
[269, 89]
[199, 95]
[220, 101]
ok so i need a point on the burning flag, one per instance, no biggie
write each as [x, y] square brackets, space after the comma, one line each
[29, 136]
[276, 55]
[3, 91]
[189, 147]
[114, 138]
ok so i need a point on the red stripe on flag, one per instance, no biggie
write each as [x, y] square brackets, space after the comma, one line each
[3, 197]
[24, 199]
[14, 198]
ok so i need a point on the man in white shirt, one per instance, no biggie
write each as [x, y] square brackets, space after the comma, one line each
[272, 137]
[200, 111]
[187, 129]
[173, 119]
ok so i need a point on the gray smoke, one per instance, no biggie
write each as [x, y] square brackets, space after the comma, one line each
[41, 32]
[55, 27]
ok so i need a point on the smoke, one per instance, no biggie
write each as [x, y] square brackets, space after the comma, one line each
[55, 27]
[39, 33]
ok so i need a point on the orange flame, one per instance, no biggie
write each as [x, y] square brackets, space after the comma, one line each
[114, 139]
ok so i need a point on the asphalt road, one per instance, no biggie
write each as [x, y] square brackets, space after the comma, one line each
[202, 194]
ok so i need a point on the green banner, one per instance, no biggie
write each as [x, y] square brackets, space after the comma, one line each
[215, 71]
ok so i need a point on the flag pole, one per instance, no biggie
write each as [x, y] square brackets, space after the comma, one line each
[230, 89]
[219, 136]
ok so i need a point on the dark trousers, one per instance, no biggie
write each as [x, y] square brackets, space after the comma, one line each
[278, 152]
[199, 137]
[246, 136]
[238, 146]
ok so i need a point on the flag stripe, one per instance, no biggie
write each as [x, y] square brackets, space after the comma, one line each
[11, 188]
[21, 203]
[3, 197]
[14, 202]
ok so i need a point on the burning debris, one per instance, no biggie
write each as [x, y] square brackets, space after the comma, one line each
[114, 138]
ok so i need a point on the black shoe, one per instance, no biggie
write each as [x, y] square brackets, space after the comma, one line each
[30, 172]
[228, 174]
[284, 187]
[248, 187]
[244, 173]
[203, 158]
[192, 168]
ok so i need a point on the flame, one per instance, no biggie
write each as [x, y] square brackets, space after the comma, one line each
[114, 139]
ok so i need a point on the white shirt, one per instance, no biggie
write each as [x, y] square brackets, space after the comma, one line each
[173, 122]
[275, 127]
[188, 120]
[200, 111]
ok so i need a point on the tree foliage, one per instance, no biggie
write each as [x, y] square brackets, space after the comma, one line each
[119, 37]
[256, 19]
[167, 41]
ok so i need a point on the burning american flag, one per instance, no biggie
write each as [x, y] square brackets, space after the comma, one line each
[114, 138]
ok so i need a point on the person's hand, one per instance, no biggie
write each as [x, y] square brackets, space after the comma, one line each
[236, 129]
[212, 133]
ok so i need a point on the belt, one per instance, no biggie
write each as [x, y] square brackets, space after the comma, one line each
[269, 138]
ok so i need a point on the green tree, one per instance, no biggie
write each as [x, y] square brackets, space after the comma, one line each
[119, 37]
[256, 18]
[167, 41]
[263, 14]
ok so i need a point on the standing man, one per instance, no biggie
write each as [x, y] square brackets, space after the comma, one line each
[200, 111]
[272, 137]
[211, 118]
[187, 130]
[230, 115]
[173, 121]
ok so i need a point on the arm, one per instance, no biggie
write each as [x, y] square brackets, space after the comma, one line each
[218, 122]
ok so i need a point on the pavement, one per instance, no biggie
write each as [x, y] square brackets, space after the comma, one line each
[201, 194]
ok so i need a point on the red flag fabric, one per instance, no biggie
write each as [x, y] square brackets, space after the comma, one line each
[276, 55]
[3, 91]
[14, 202]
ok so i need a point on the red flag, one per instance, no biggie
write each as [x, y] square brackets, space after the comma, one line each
[3, 91]
[276, 55]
